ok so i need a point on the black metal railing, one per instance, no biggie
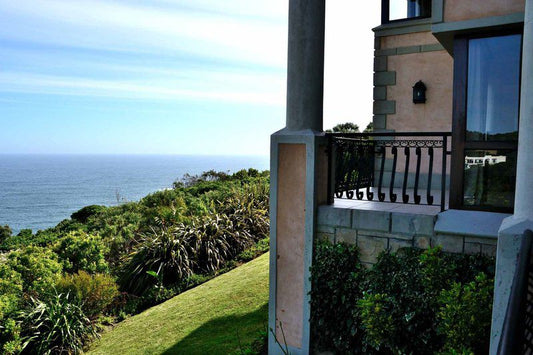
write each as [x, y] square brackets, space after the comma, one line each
[517, 334]
[367, 166]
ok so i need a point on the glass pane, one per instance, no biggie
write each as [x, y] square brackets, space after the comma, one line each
[489, 179]
[404, 9]
[493, 88]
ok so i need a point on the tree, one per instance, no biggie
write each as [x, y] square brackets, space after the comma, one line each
[5, 232]
[369, 128]
[347, 127]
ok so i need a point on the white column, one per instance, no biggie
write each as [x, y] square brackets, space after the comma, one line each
[512, 228]
[305, 67]
[524, 172]
[298, 165]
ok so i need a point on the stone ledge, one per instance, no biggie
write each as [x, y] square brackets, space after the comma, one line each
[334, 216]
[412, 224]
[371, 220]
[469, 223]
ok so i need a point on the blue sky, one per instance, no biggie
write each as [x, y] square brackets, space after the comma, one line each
[165, 76]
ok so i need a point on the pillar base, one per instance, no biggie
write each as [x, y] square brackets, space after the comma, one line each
[509, 241]
[298, 179]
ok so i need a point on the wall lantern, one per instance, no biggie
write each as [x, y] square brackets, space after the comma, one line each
[419, 93]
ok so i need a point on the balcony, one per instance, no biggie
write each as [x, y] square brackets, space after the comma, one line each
[408, 168]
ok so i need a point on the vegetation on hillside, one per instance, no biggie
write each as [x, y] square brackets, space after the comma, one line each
[58, 286]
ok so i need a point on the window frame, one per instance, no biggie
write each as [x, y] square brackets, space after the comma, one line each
[459, 142]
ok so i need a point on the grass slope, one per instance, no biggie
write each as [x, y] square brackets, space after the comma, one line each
[214, 318]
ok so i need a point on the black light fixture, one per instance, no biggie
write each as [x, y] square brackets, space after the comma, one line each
[419, 93]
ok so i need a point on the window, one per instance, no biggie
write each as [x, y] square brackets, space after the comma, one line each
[485, 122]
[395, 10]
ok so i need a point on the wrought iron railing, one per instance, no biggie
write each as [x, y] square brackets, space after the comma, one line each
[381, 166]
[517, 335]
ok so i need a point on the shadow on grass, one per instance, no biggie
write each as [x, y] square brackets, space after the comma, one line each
[223, 335]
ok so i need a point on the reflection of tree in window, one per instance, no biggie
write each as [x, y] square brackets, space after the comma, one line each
[490, 180]
[493, 88]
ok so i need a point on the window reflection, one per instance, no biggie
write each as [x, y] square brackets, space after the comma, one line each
[404, 9]
[493, 88]
[489, 178]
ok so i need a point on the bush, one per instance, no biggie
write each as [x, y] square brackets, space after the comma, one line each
[10, 341]
[10, 301]
[82, 251]
[94, 292]
[10, 290]
[5, 233]
[410, 302]
[86, 212]
[255, 250]
[55, 326]
[337, 278]
[38, 267]
[396, 284]
[165, 251]
[465, 315]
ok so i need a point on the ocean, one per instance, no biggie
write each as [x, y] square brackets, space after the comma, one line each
[39, 191]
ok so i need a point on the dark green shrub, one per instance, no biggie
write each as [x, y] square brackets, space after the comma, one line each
[166, 251]
[82, 251]
[337, 284]
[395, 284]
[5, 233]
[376, 319]
[255, 250]
[94, 292]
[411, 302]
[57, 325]
[465, 315]
[86, 212]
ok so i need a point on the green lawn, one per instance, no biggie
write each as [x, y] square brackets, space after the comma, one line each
[213, 318]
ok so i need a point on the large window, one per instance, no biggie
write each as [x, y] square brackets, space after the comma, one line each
[485, 131]
[395, 10]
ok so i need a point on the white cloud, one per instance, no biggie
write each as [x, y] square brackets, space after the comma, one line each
[118, 26]
[216, 87]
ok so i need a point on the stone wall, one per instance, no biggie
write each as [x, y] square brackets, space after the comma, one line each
[374, 231]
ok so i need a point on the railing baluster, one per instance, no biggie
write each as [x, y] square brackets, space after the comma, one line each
[405, 197]
[443, 173]
[360, 167]
[370, 170]
[430, 172]
[381, 195]
[418, 153]
[351, 167]
[339, 171]
[392, 195]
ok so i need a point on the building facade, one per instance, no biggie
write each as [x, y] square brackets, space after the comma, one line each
[449, 161]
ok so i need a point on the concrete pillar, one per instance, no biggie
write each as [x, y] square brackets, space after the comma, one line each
[298, 181]
[512, 228]
[305, 67]
[523, 207]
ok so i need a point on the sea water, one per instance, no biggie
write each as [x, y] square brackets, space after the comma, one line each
[39, 191]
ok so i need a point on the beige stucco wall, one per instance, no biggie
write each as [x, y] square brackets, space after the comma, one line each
[290, 231]
[460, 10]
[435, 69]
[405, 40]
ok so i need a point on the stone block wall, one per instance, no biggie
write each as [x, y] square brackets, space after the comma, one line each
[374, 231]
